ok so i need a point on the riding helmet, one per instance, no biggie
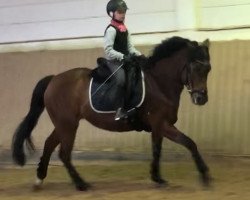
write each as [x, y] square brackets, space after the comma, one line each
[114, 5]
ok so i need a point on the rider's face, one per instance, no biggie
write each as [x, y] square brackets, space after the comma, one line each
[120, 15]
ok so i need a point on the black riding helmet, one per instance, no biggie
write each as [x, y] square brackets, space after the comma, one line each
[114, 5]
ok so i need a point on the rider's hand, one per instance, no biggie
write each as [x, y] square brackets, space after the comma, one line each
[142, 56]
[127, 58]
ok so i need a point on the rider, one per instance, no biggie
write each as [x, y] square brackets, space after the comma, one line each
[118, 49]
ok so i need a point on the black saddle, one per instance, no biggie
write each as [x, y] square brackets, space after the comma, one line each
[103, 93]
[102, 71]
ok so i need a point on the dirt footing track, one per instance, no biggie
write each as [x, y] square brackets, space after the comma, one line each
[118, 180]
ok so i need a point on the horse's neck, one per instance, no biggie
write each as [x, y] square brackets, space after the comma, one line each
[164, 79]
[167, 89]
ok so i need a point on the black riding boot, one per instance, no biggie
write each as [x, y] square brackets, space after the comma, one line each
[121, 113]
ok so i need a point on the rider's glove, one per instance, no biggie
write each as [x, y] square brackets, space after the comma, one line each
[127, 58]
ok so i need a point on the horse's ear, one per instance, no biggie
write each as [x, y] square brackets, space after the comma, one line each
[206, 43]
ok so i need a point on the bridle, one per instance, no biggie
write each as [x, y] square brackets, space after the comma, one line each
[188, 81]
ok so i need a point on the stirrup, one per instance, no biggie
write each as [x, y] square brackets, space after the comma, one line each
[120, 114]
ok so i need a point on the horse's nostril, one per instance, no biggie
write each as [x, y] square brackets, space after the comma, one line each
[199, 99]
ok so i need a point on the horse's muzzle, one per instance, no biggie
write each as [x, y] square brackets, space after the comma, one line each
[199, 97]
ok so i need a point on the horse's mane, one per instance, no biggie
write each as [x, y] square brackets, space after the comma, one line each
[168, 47]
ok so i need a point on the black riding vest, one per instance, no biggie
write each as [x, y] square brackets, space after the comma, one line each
[121, 41]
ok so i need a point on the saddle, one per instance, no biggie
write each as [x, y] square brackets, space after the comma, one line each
[103, 93]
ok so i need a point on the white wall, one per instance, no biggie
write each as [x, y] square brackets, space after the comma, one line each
[73, 20]
[44, 20]
[31, 20]
[214, 14]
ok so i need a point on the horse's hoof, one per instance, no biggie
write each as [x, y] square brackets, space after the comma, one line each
[37, 187]
[206, 179]
[83, 186]
[38, 184]
[160, 181]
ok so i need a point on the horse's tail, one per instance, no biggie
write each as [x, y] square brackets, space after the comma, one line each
[23, 131]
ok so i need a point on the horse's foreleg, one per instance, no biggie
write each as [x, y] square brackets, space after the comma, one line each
[67, 142]
[155, 165]
[50, 144]
[175, 135]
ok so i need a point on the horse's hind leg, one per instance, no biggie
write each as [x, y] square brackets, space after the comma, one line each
[50, 144]
[175, 135]
[67, 141]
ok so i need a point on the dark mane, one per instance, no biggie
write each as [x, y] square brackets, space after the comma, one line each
[167, 48]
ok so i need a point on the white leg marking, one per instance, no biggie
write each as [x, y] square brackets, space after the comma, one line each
[38, 182]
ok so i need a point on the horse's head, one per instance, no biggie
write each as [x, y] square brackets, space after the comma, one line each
[196, 71]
